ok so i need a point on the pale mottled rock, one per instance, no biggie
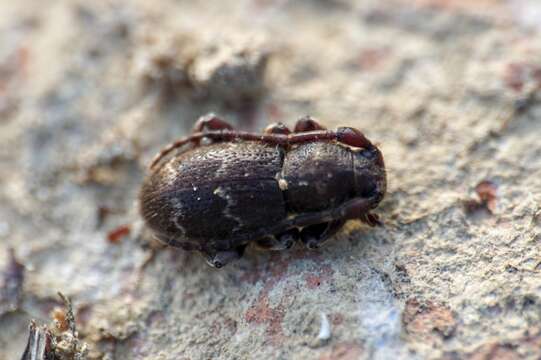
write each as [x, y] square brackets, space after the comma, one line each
[449, 90]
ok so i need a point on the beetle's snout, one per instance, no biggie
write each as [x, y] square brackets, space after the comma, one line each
[370, 176]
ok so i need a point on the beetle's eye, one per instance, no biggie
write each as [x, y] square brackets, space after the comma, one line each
[368, 154]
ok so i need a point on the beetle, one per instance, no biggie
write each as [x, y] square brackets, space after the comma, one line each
[225, 188]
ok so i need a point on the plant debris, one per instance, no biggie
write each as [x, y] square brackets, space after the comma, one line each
[40, 343]
[486, 192]
[59, 343]
[118, 233]
[11, 291]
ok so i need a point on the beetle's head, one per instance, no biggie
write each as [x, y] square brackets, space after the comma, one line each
[369, 173]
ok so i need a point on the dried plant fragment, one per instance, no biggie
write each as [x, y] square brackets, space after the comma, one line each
[60, 343]
[39, 345]
[11, 291]
[118, 233]
[486, 192]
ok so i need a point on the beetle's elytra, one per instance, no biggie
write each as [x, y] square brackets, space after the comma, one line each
[225, 188]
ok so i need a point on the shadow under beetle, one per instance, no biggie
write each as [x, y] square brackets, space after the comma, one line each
[226, 188]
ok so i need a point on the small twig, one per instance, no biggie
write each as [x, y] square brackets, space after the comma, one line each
[69, 314]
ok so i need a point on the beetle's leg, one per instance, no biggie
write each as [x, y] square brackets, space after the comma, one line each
[353, 137]
[371, 219]
[194, 140]
[306, 123]
[169, 241]
[315, 235]
[345, 135]
[210, 122]
[219, 135]
[348, 136]
[279, 242]
[205, 123]
[352, 209]
[221, 258]
[277, 128]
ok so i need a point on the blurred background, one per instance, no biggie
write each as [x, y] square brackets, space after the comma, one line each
[448, 89]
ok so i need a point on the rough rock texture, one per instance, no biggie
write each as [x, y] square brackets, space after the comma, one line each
[449, 89]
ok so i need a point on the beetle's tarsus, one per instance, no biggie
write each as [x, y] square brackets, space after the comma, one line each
[222, 258]
[316, 235]
[283, 241]
[371, 219]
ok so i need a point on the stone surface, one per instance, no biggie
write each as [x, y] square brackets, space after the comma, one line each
[449, 89]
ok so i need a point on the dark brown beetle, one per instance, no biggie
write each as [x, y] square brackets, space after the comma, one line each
[226, 188]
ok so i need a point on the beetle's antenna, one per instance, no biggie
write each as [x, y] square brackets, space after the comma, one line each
[169, 148]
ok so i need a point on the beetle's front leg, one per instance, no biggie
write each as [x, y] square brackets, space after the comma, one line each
[279, 242]
[219, 259]
[344, 135]
[352, 209]
[316, 235]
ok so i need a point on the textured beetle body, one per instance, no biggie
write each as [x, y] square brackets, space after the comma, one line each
[318, 176]
[217, 197]
[231, 185]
